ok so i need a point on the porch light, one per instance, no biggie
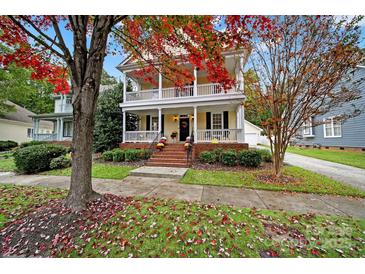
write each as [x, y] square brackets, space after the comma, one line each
[191, 117]
[175, 118]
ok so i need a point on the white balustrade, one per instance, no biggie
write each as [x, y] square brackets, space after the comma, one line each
[45, 137]
[219, 135]
[140, 136]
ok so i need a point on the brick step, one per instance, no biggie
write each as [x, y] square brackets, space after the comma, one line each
[169, 156]
[167, 161]
[173, 149]
[167, 164]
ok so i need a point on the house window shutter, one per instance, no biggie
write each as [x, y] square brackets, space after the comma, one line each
[208, 121]
[148, 122]
[225, 119]
[162, 124]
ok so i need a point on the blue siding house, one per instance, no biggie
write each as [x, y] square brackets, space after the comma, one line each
[336, 134]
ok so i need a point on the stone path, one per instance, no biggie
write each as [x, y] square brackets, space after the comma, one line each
[171, 189]
[347, 174]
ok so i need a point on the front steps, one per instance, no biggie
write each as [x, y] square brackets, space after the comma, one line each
[172, 155]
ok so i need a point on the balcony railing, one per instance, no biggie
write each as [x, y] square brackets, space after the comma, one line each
[45, 137]
[140, 136]
[220, 135]
[175, 92]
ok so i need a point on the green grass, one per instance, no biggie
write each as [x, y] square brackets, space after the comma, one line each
[103, 171]
[7, 164]
[308, 181]
[167, 228]
[18, 200]
[351, 158]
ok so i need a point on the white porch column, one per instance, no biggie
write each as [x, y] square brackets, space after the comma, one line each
[125, 88]
[159, 120]
[241, 123]
[124, 124]
[61, 129]
[195, 82]
[240, 75]
[159, 84]
[195, 124]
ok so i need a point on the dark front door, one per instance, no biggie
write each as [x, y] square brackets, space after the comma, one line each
[184, 128]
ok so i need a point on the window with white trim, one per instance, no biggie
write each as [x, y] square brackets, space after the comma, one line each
[332, 127]
[67, 129]
[217, 120]
[29, 132]
[308, 128]
[154, 123]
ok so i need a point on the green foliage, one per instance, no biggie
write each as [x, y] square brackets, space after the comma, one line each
[218, 154]
[265, 155]
[208, 157]
[108, 131]
[32, 143]
[118, 155]
[17, 86]
[249, 158]
[229, 158]
[107, 156]
[133, 155]
[7, 145]
[60, 162]
[33, 159]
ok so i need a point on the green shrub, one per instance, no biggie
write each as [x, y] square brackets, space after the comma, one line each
[32, 143]
[107, 155]
[219, 154]
[208, 157]
[229, 158]
[60, 162]
[133, 155]
[7, 145]
[33, 159]
[118, 155]
[265, 155]
[146, 154]
[250, 158]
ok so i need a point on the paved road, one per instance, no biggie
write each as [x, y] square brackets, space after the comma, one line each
[171, 189]
[347, 174]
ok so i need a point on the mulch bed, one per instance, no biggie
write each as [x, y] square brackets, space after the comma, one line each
[218, 166]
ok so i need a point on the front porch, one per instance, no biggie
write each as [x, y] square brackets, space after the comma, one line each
[62, 127]
[220, 123]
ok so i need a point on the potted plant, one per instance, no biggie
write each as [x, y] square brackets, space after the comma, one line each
[173, 135]
[160, 146]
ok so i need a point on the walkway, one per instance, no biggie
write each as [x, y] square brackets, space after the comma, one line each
[347, 174]
[171, 189]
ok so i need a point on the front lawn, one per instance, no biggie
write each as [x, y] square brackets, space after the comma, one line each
[351, 158]
[128, 227]
[303, 181]
[104, 171]
[7, 163]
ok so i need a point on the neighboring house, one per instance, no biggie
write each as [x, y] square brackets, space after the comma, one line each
[332, 133]
[17, 126]
[252, 134]
[61, 119]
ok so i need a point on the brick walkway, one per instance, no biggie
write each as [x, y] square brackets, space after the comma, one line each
[171, 189]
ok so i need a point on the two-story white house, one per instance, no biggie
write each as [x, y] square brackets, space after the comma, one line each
[61, 119]
[202, 109]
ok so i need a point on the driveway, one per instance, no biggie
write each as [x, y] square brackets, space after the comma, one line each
[347, 174]
[168, 188]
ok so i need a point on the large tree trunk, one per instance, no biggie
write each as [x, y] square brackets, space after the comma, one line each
[86, 75]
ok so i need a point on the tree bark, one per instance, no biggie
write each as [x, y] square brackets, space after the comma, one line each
[86, 75]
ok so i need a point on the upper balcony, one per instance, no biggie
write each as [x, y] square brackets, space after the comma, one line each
[200, 90]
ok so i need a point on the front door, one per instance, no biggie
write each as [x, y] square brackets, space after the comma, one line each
[184, 128]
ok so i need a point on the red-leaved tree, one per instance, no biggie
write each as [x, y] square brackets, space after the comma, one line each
[39, 42]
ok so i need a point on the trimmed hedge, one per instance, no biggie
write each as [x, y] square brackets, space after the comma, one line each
[208, 157]
[229, 158]
[118, 155]
[60, 162]
[249, 158]
[32, 143]
[107, 156]
[265, 155]
[33, 159]
[7, 145]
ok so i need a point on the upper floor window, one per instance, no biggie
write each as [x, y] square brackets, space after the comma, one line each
[217, 121]
[68, 101]
[308, 128]
[332, 127]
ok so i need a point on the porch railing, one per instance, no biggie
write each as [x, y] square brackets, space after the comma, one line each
[174, 92]
[45, 137]
[140, 136]
[220, 135]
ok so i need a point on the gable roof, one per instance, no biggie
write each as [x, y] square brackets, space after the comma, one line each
[258, 128]
[21, 115]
